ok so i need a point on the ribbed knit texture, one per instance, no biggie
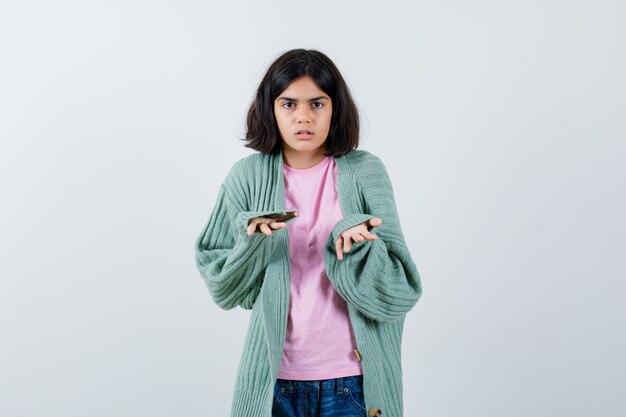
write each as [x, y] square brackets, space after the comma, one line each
[377, 278]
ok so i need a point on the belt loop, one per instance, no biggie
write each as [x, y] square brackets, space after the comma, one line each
[339, 385]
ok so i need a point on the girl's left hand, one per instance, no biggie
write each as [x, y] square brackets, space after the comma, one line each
[357, 233]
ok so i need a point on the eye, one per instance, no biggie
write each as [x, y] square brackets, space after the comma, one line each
[320, 104]
[287, 103]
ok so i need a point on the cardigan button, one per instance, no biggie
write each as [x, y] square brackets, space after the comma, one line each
[374, 412]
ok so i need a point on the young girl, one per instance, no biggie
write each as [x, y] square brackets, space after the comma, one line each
[328, 293]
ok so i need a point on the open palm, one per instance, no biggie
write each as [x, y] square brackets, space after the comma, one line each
[356, 233]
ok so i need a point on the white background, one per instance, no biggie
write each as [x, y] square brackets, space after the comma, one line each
[502, 128]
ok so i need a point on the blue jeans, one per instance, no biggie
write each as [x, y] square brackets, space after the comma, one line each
[323, 398]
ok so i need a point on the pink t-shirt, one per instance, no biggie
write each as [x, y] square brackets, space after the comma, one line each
[319, 343]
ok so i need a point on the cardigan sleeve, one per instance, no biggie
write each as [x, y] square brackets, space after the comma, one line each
[377, 276]
[231, 263]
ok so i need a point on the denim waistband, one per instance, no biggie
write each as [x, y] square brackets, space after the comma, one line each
[337, 384]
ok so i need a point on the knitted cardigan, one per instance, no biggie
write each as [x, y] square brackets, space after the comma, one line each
[377, 278]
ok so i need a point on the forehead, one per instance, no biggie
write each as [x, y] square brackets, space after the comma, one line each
[302, 88]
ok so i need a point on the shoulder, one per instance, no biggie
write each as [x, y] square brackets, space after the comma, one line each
[248, 176]
[248, 162]
[371, 175]
[365, 163]
[244, 176]
[246, 168]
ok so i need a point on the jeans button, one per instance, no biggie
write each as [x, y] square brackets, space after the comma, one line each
[375, 412]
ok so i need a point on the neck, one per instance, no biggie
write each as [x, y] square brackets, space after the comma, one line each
[302, 160]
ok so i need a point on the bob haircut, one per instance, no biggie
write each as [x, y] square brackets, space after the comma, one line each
[262, 132]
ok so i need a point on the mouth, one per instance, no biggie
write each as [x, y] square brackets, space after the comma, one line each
[304, 134]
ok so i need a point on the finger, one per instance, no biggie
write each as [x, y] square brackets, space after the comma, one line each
[347, 243]
[338, 248]
[376, 221]
[277, 225]
[251, 227]
[370, 236]
[265, 229]
[358, 238]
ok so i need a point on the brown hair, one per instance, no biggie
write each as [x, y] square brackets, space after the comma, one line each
[262, 132]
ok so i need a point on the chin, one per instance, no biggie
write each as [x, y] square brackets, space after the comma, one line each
[305, 146]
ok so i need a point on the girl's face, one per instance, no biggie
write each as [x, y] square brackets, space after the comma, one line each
[302, 108]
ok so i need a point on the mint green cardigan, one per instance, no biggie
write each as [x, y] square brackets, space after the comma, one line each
[377, 278]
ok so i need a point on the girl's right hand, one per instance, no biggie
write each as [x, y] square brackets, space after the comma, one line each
[266, 224]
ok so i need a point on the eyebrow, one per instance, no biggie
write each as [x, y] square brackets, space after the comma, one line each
[311, 99]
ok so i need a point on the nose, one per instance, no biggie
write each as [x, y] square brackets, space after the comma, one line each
[302, 115]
